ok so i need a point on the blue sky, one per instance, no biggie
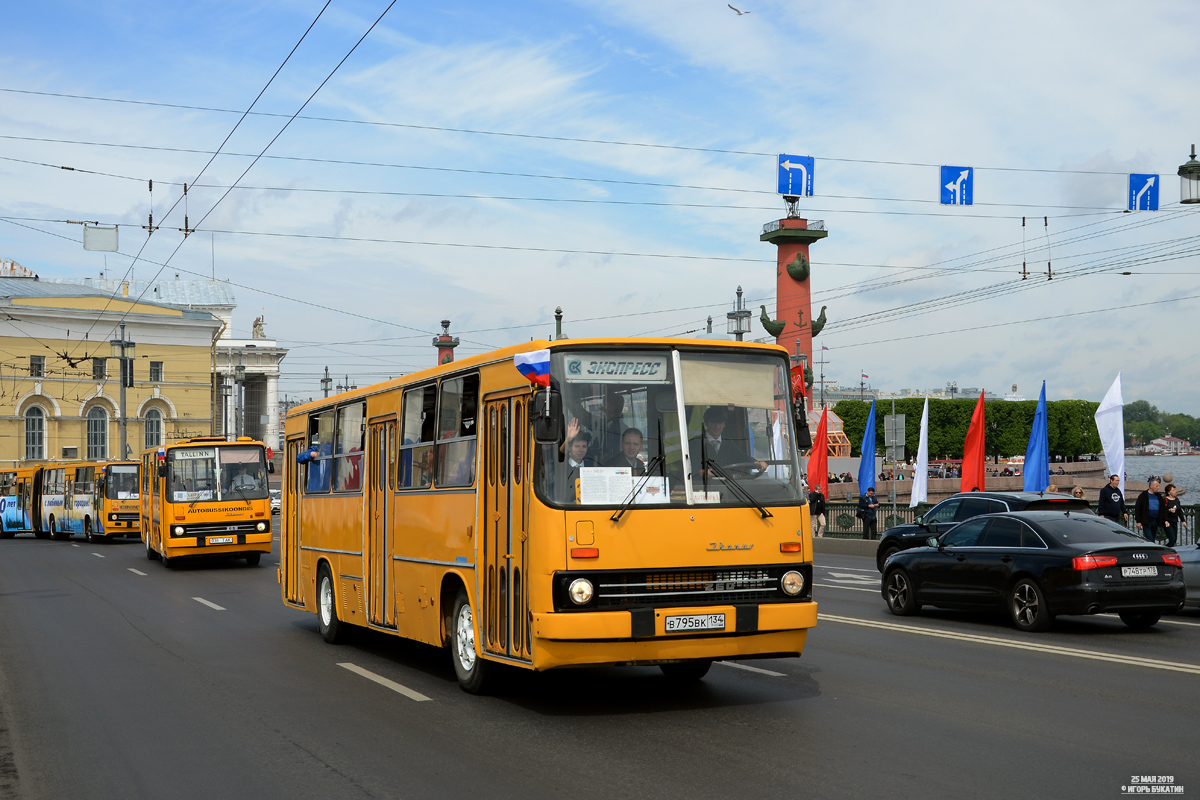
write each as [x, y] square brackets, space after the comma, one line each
[1051, 103]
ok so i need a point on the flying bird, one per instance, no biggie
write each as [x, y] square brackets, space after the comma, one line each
[739, 12]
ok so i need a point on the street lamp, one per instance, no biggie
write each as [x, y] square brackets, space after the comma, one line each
[1189, 180]
[239, 373]
[738, 320]
[123, 350]
[226, 393]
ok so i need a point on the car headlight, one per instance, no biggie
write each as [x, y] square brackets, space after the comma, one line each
[792, 583]
[262, 526]
[178, 530]
[581, 591]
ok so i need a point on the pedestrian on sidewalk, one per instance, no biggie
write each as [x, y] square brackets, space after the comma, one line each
[816, 510]
[1148, 510]
[867, 504]
[1173, 521]
[1112, 502]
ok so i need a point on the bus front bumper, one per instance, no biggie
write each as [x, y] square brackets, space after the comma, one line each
[607, 637]
[215, 544]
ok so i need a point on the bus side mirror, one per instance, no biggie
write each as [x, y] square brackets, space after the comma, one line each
[547, 425]
[271, 467]
[162, 470]
[803, 435]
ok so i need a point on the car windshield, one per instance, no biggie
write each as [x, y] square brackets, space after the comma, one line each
[122, 482]
[1089, 529]
[622, 410]
[201, 474]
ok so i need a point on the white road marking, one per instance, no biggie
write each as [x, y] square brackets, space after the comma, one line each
[137, 572]
[97, 555]
[1169, 621]
[382, 681]
[848, 569]
[74, 545]
[848, 588]
[1071, 652]
[759, 670]
[208, 603]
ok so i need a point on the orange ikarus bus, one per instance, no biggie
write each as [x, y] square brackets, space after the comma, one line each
[118, 504]
[645, 508]
[206, 496]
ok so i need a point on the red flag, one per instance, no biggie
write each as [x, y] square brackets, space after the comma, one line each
[818, 460]
[973, 452]
[797, 382]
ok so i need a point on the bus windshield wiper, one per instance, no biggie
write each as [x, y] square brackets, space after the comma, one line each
[620, 512]
[736, 486]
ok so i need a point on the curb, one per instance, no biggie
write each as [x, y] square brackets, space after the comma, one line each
[845, 547]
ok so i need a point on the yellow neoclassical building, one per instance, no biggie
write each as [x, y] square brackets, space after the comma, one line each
[60, 385]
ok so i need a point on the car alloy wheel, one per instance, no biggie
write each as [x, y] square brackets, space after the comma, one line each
[1028, 607]
[898, 593]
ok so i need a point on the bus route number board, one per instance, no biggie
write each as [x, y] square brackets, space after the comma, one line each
[694, 622]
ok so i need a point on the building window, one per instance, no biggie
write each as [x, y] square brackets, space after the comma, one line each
[35, 434]
[97, 433]
[156, 372]
[154, 428]
[99, 369]
[37, 366]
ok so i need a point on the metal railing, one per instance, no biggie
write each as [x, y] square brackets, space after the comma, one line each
[841, 522]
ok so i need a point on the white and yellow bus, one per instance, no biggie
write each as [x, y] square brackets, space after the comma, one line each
[645, 508]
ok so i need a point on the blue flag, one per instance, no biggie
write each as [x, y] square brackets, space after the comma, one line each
[866, 468]
[1037, 454]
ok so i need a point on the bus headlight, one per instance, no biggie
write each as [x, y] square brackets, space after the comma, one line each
[262, 526]
[112, 517]
[792, 583]
[581, 591]
[178, 531]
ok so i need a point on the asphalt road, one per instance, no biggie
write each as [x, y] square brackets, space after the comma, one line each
[119, 678]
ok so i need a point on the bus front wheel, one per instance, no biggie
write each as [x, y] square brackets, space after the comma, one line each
[473, 673]
[87, 531]
[327, 618]
[252, 559]
[686, 671]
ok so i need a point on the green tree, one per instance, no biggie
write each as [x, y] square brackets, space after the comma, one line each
[1140, 411]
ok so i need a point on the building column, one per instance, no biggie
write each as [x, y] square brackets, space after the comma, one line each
[271, 438]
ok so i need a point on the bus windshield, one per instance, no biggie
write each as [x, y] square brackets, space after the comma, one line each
[199, 474]
[623, 441]
[122, 482]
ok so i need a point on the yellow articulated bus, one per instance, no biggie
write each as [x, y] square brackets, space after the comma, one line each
[206, 496]
[118, 504]
[20, 501]
[645, 507]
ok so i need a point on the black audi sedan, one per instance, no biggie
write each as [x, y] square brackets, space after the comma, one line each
[1037, 565]
[963, 506]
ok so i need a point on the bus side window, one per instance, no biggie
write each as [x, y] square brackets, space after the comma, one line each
[348, 461]
[457, 412]
[416, 437]
[320, 436]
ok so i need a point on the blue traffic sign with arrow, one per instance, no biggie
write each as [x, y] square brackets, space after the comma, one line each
[1143, 192]
[796, 175]
[958, 186]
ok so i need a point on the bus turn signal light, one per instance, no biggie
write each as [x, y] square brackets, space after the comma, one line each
[585, 552]
[789, 547]
[1093, 562]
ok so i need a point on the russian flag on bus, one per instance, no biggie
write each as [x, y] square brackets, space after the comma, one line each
[535, 366]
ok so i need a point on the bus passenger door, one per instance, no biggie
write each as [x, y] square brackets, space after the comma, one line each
[380, 440]
[503, 574]
[289, 518]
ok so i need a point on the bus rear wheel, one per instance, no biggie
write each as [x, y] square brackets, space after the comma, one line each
[473, 673]
[327, 618]
[87, 531]
[56, 534]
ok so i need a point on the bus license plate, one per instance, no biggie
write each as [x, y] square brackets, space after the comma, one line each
[221, 540]
[695, 622]
[1139, 572]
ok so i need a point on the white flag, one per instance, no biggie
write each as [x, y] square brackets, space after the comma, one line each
[920, 485]
[1110, 422]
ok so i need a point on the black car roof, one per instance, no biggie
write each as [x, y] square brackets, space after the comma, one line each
[1027, 497]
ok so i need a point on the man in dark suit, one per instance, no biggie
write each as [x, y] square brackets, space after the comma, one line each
[577, 456]
[631, 446]
[719, 449]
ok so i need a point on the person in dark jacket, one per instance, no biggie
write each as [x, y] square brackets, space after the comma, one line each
[1173, 522]
[1112, 502]
[816, 510]
[1148, 510]
[866, 510]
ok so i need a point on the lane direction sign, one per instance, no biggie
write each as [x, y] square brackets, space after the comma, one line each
[796, 175]
[958, 186]
[1143, 192]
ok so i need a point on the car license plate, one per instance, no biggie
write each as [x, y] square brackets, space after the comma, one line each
[695, 622]
[221, 540]
[1139, 572]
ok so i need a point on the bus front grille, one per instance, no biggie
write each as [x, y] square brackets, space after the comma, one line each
[686, 587]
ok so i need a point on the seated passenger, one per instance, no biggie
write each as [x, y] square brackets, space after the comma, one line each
[577, 456]
[631, 446]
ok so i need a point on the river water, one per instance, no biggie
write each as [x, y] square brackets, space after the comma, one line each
[1184, 469]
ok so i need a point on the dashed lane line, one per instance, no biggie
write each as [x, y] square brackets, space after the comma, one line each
[848, 569]
[74, 545]
[1070, 652]
[137, 572]
[97, 555]
[759, 670]
[848, 588]
[382, 681]
[208, 603]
